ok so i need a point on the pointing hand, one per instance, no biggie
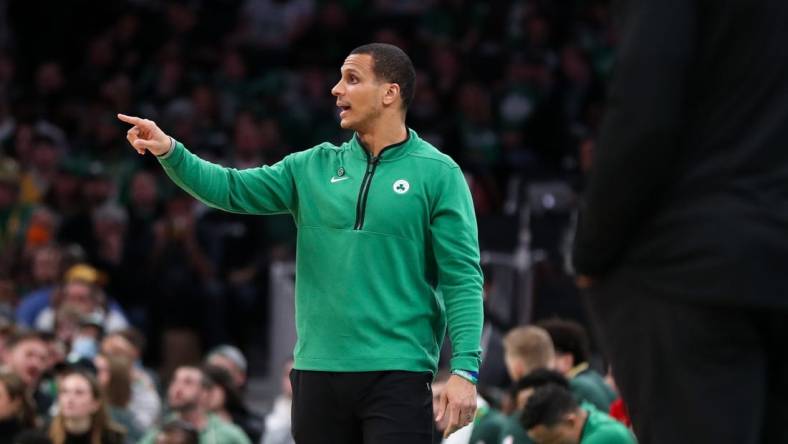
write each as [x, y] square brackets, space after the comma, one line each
[145, 135]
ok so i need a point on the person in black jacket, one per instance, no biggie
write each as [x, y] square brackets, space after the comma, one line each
[683, 240]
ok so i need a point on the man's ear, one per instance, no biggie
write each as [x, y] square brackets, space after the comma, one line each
[571, 419]
[391, 94]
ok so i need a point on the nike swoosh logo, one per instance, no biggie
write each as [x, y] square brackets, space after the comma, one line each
[336, 179]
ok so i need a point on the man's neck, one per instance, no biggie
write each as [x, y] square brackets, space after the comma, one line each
[381, 136]
[196, 417]
[582, 416]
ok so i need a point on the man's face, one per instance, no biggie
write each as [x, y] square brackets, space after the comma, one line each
[564, 362]
[514, 366]
[80, 296]
[28, 359]
[359, 93]
[186, 390]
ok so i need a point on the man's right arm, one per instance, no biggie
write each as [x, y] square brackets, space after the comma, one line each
[263, 190]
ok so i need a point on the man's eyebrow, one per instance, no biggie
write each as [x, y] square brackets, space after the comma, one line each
[349, 70]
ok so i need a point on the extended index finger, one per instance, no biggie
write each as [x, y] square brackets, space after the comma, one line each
[131, 120]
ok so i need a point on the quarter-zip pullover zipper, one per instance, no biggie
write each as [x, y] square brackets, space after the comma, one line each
[361, 205]
[372, 164]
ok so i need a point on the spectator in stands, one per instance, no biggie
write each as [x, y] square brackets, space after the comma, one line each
[177, 431]
[187, 397]
[45, 270]
[26, 356]
[527, 349]
[552, 415]
[231, 359]
[17, 412]
[144, 404]
[187, 272]
[572, 355]
[114, 376]
[224, 400]
[88, 299]
[511, 431]
[82, 413]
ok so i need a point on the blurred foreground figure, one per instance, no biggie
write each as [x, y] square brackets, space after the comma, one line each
[682, 244]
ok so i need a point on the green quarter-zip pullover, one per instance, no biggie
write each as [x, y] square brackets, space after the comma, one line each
[387, 253]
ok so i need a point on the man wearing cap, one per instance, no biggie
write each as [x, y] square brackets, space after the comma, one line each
[231, 359]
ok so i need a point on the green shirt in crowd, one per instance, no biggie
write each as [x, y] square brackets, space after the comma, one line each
[600, 428]
[588, 385]
[512, 431]
[487, 425]
[216, 431]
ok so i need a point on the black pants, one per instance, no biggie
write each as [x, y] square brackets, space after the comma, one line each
[361, 407]
[691, 372]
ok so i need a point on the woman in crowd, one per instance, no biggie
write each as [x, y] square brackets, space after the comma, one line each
[82, 413]
[16, 407]
[114, 377]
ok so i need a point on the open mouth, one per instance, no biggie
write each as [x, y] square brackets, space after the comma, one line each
[343, 109]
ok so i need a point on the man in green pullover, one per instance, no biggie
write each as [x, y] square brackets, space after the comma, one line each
[387, 259]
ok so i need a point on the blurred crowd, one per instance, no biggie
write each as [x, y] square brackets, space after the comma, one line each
[98, 250]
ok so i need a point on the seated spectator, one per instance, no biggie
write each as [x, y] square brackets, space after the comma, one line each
[511, 430]
[177, 432]
[145, 404]
[82, 413]
[114, 376]
[224, 400]
[26, 356]
[16, 408]
[529, 348]
[232, 359]
[80, 334]
[80, 290]
[523, 388]
[186, 397]
[45, 270]
[572, 354]
[552, 415]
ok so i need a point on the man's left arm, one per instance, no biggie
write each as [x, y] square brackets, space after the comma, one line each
[456, 247]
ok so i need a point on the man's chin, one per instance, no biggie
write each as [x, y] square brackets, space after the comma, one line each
[347, 124]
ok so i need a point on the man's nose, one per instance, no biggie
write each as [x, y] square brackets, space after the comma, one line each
[337, 90]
